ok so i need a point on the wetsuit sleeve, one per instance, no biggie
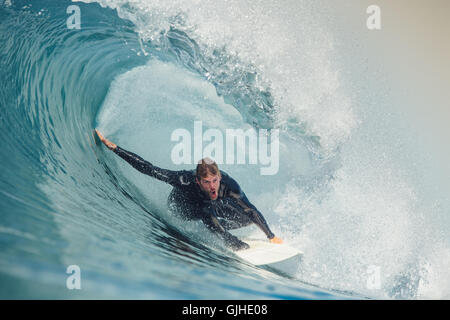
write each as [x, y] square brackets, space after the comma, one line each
[169, 176]
[248, 209]
[210, 220]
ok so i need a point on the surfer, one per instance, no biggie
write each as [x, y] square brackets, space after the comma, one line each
[206, 194]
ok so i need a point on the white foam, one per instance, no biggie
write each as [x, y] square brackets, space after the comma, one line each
[291, 53]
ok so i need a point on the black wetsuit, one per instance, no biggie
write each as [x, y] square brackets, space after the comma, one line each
[230, 210]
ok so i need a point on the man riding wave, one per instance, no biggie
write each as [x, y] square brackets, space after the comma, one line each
[206, 194]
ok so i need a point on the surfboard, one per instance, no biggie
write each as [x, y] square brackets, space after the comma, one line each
[263, 252]
[282, 258]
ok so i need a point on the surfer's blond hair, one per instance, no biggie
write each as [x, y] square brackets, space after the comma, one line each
[206, 166]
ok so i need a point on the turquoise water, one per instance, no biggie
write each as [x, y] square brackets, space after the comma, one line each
[139, 70]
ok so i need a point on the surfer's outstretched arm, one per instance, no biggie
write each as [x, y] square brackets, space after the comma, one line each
[250, 210]
[143, 166]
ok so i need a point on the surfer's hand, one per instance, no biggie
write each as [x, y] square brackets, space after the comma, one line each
[107, 143]
[276, 240]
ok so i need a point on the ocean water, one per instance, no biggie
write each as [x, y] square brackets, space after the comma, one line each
[350, 191]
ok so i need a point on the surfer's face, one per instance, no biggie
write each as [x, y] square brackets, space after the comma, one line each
[210, 184]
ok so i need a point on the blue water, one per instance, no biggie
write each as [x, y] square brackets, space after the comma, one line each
[139, 70]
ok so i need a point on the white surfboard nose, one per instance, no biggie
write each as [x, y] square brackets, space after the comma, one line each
[262, 252]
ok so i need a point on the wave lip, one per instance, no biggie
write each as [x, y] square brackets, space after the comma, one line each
[237, 40]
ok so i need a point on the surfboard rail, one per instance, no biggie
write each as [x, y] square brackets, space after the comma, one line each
[262, 252]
